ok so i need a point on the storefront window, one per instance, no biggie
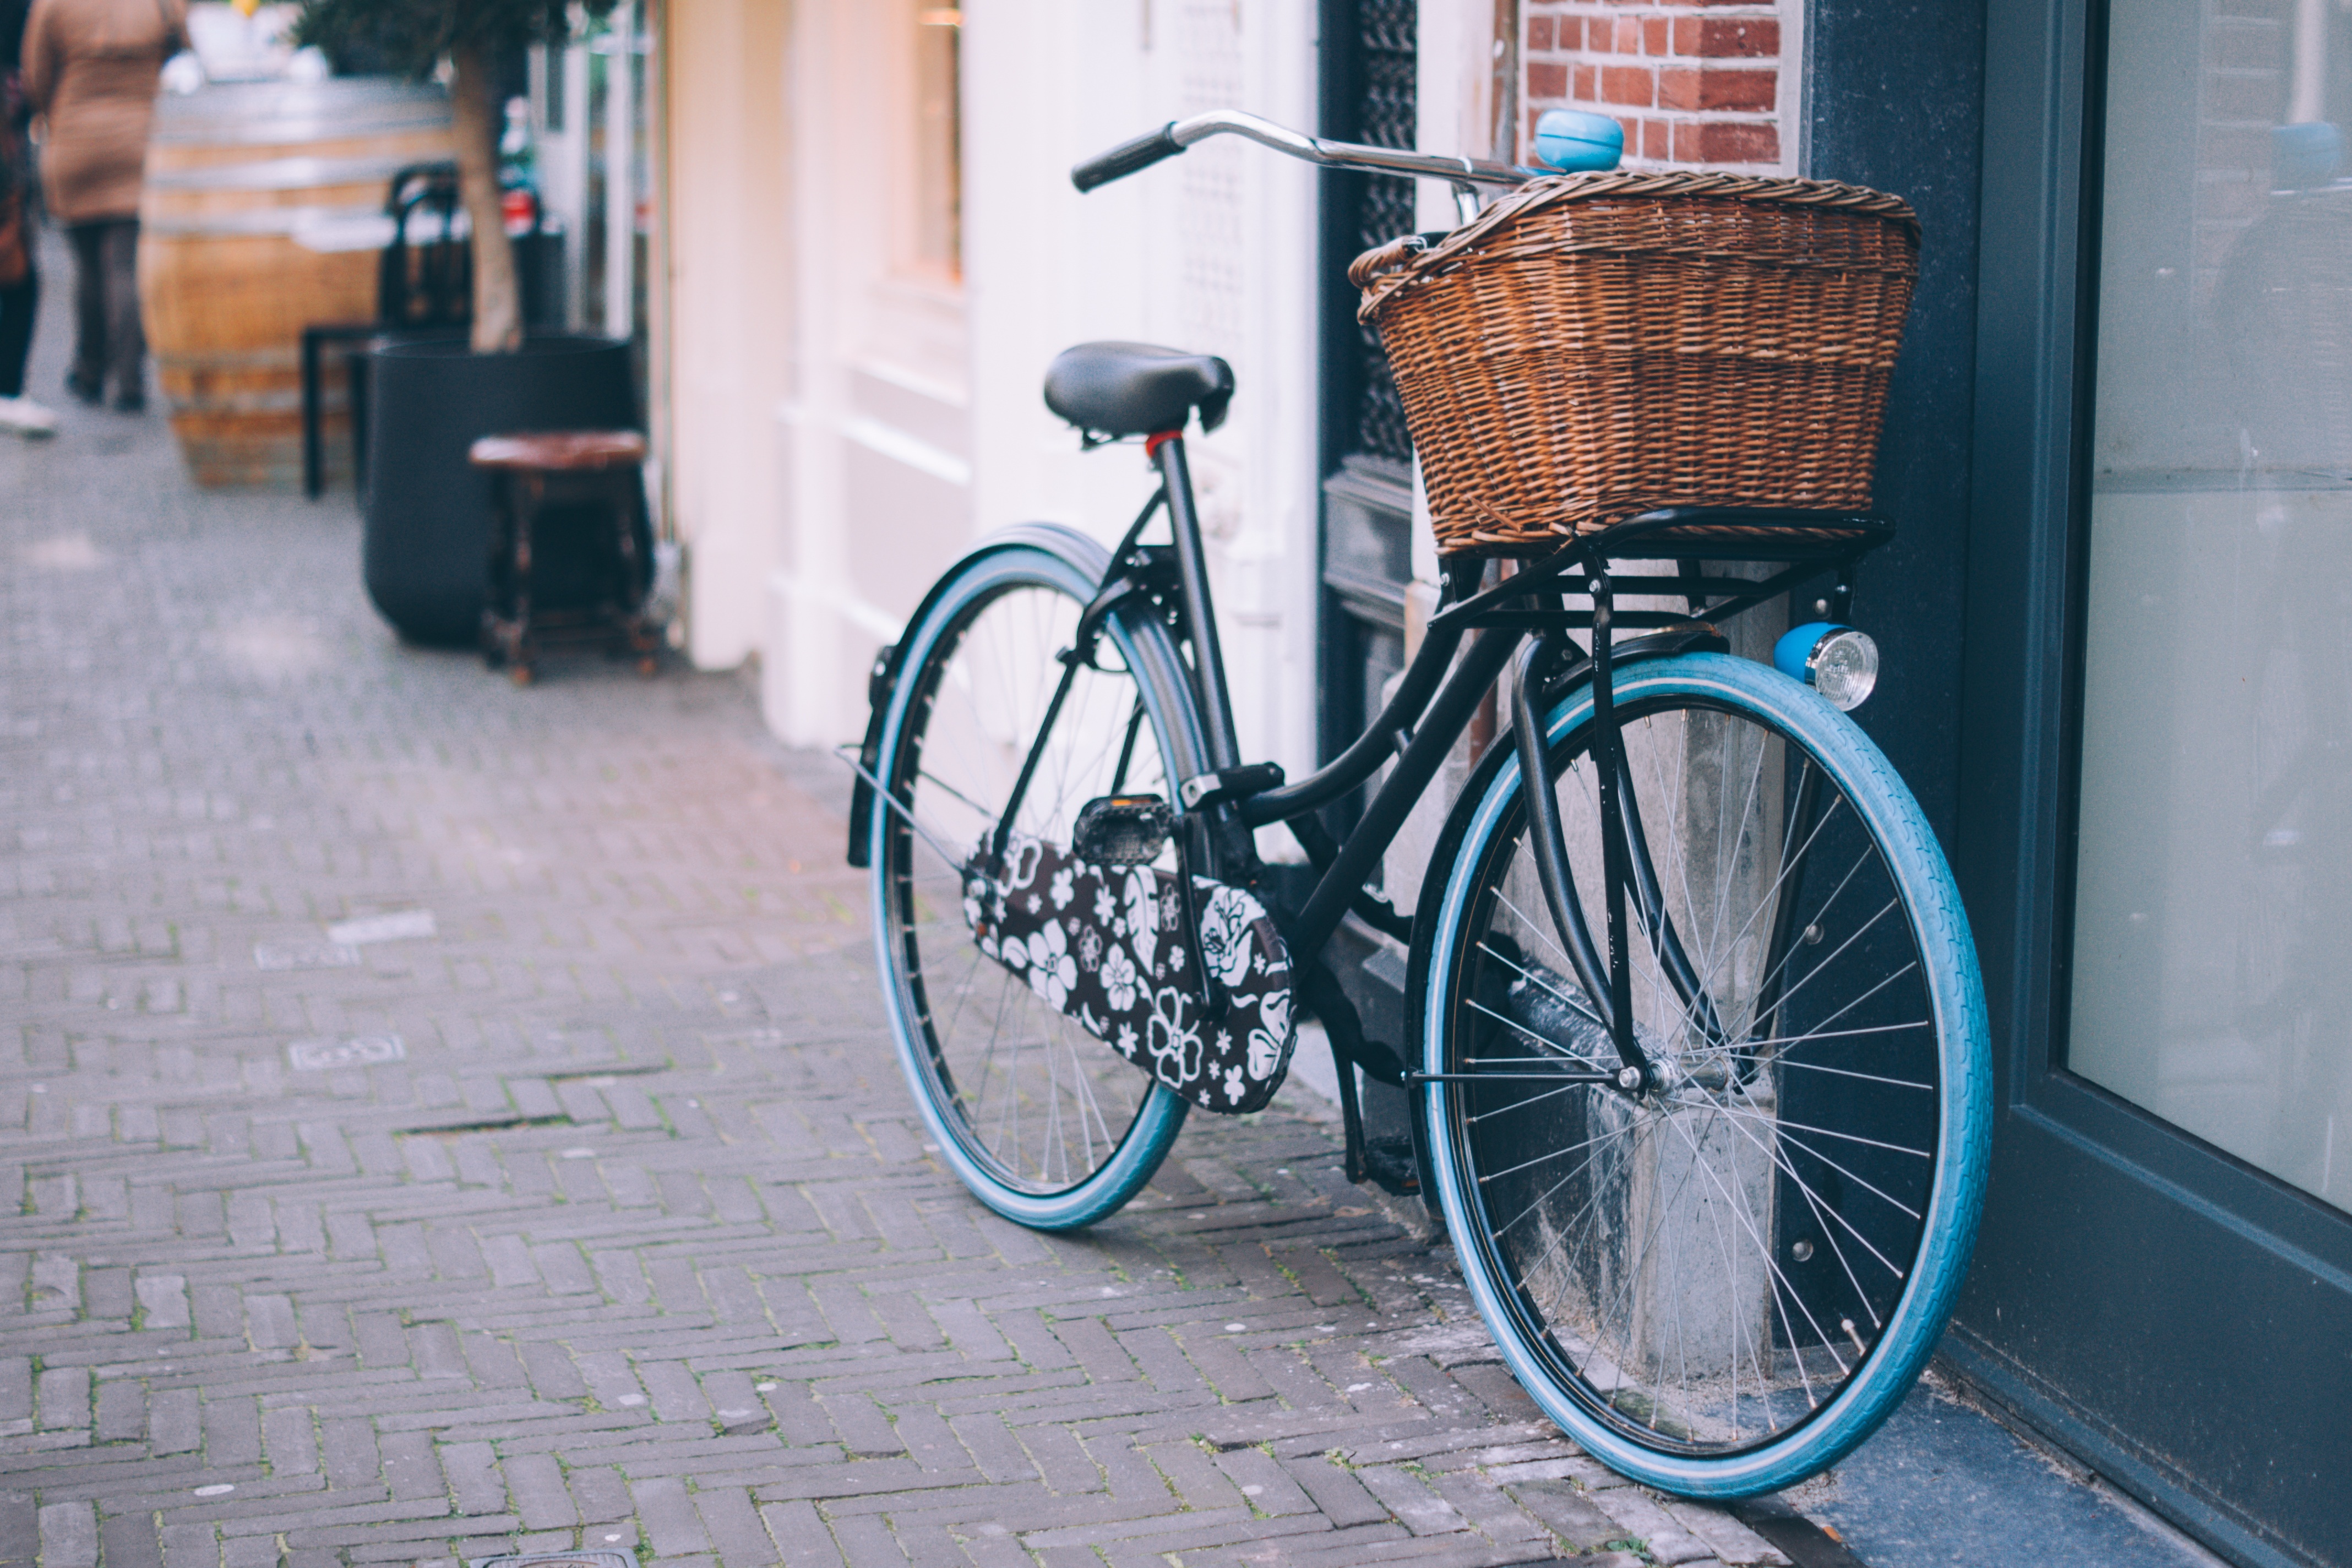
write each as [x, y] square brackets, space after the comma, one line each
[2212, 938]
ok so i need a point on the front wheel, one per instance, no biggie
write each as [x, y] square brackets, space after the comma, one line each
[1046, 1124]
[1720, 1284]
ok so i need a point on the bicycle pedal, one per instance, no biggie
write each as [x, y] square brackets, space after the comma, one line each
[1122, 829]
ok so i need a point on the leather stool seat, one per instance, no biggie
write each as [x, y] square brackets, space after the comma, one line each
[539, 476]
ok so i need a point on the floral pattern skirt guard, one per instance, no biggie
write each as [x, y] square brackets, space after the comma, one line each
[1105, 945]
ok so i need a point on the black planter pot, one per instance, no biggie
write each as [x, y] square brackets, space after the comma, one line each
[427, 537]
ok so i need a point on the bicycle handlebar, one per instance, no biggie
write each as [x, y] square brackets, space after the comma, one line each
[1127, 157]
[1178, 134]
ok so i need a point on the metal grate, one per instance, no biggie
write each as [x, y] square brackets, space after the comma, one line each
[1386, 35]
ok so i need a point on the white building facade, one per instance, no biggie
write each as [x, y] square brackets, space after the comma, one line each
[873, 251]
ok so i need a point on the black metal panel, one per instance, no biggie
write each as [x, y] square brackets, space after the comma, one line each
[2170, 1313]
[1368, 65]
[1386, 38]
[1369, 59]
[1893, 95]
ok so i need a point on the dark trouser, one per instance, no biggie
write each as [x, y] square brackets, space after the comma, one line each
[107, 339]
[18, 303]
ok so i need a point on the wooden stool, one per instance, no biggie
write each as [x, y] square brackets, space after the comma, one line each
[599, 468]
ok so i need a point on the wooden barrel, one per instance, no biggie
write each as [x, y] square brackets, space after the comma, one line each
[255, 223]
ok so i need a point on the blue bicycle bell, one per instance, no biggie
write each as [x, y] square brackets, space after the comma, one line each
[1575, 141]
[1839, 662]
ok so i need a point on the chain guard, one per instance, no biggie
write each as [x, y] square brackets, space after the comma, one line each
[1105, 945]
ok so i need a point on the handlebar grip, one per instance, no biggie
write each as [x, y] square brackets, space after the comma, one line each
[1127, 157]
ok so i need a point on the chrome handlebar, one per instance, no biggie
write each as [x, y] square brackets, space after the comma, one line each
[1464, 174]
[1348, 154]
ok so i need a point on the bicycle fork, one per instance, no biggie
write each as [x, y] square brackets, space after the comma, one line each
[1628, 873]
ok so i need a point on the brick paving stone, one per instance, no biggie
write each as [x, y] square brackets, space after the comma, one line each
[635, 1238]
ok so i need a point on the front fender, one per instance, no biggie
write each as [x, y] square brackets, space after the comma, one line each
[1695, 637]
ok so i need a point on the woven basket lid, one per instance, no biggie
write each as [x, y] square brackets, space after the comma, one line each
[1401, 264]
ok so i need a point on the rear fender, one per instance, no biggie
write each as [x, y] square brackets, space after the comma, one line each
[882, 680]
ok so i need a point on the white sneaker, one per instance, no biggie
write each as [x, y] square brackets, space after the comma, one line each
[27, 417]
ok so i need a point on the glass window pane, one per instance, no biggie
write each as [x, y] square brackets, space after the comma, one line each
[2213, 911]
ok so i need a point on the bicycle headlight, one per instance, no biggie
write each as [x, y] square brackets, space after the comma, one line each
[1839, 662]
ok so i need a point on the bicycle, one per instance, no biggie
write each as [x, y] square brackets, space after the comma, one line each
[1711, 1156]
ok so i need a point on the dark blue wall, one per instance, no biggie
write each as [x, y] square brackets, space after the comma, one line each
[1896, 102]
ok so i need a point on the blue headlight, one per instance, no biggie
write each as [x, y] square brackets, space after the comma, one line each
[1839, 662]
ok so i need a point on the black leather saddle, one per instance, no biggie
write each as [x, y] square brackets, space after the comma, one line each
[1136, 389]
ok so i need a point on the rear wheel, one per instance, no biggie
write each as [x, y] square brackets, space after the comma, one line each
[1720, 1284]
[1046, 1124]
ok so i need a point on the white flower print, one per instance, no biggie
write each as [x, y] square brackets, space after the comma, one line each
[1119, 979]
[1273, 1012]
[1225, 935]
[1264, 1054]
[1112, 950]
[1269, 1043]
[1051, 969]
[1143, 915]
[1174, 1040]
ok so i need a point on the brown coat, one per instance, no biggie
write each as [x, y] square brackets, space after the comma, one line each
[90, 68]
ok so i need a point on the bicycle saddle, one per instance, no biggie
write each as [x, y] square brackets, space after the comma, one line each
[1136, 389]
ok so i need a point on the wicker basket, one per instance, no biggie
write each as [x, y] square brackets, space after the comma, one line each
[1597, 345]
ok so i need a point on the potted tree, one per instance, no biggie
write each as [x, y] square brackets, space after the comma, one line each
[428, 510]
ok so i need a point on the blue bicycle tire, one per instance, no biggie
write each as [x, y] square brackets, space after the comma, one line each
[1058, 569]
[1600, 1362]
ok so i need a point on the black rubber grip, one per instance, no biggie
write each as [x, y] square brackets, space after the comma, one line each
[1127, 157]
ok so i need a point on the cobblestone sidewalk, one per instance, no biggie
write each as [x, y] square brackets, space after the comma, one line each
[438, 1120]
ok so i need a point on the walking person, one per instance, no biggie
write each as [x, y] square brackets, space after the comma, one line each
[20, 283]
[90, 70]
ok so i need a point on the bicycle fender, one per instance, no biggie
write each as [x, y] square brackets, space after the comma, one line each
[1694, 636]
[882, 681]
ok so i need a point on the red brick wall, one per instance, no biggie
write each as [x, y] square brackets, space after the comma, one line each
[1695, 83]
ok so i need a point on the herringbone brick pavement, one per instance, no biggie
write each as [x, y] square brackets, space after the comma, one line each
[568, 1195]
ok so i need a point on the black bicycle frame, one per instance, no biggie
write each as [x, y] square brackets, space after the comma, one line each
[1478, 627]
